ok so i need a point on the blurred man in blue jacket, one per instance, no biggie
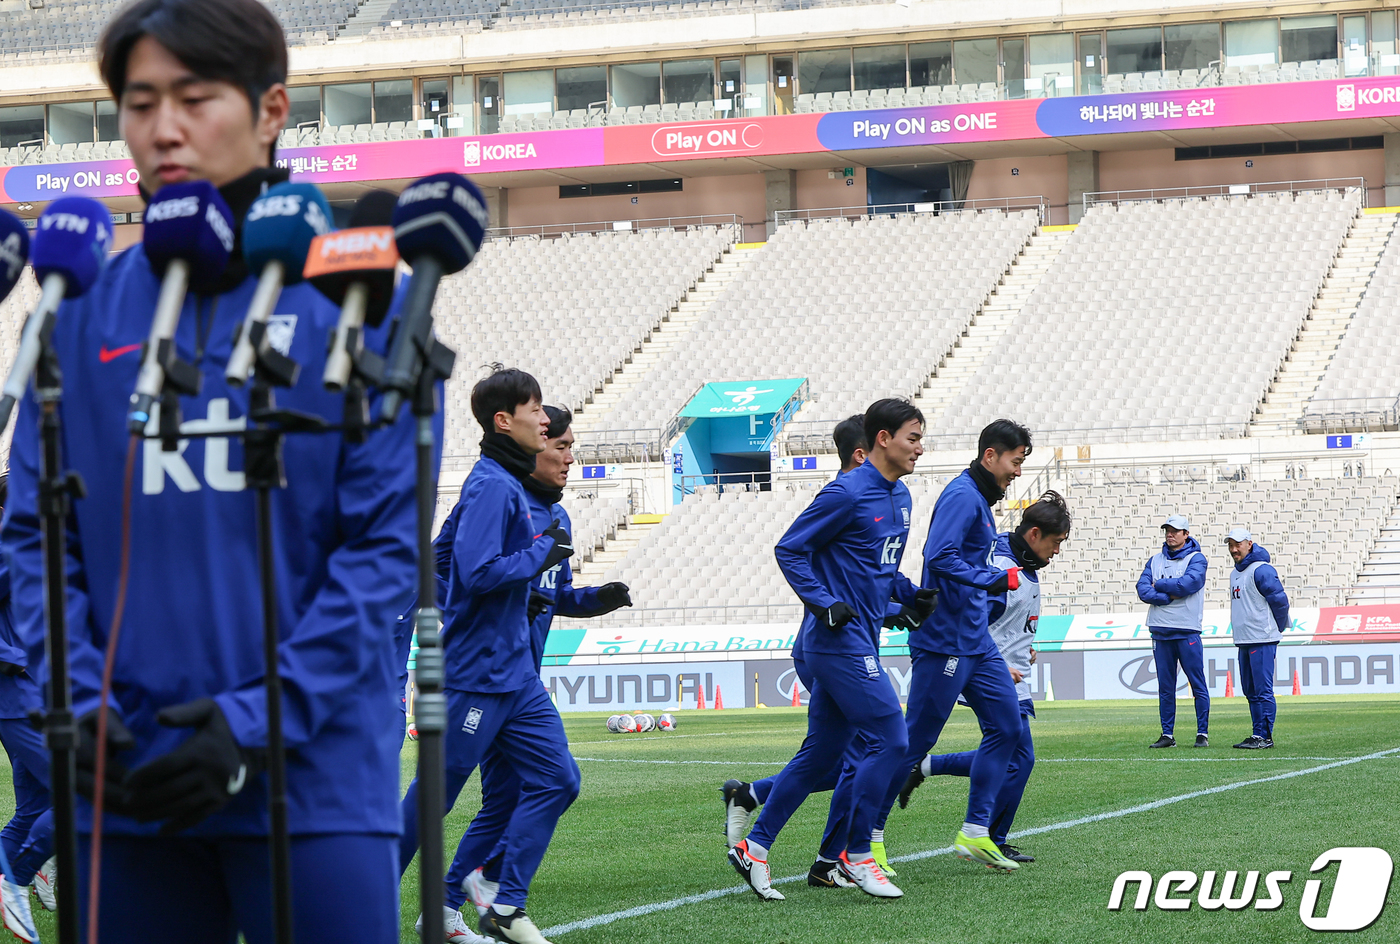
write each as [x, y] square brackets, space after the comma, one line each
[1258, 618]
[1173, 584]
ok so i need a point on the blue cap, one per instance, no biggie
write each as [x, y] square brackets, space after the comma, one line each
[442, 216]
[72, 239]
[14, 251]
[189, 221]
[280, 226]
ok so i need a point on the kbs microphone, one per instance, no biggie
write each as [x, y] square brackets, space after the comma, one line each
[188, 240]
[71, 242]
[277, 234]
[439, 223]
[355, 268]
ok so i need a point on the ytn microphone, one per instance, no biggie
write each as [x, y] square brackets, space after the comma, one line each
[355, 268]
[71, 242]
[439, 223]
[188, 240]
[277, 234]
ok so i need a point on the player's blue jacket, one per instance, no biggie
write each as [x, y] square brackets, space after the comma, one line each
[497, 550]
[996, 602]
[557, 583]
[345, 555]
[18, 693]
[404, 627]
[958, 564]
[847, 546]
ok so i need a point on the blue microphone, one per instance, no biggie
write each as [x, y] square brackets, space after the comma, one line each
[277, 236]
[188, 239]
[439, 223]
[71, 242]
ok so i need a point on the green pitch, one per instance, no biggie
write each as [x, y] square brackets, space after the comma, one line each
[643, 834]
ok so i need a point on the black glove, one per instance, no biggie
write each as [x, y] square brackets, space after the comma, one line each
[835, 616]
[563, 546]
[196, 779]
[613, 596]
[10, 669]
[912, 615]
[538, 604]
[925, 602]
[999, 585]
[115, 795]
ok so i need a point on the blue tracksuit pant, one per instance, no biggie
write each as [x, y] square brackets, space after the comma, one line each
[985, 683]
[1257, 684]
[1189, 653]
[345, 888]
[849, 696]
[1017, 774]
[485, 841]
[525, 728]
[28, 837]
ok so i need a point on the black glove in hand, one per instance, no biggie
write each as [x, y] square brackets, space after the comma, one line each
[835, 616]
[538, 604]
[115, 795]
[563, 545]
[11, 669]
[998, 586]
[613, 596]
[196, 779]
[906, 619]
[925, 602]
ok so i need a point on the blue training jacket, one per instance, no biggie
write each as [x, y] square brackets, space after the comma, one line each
[847, 546]
[958, 564]
[557, 583]
[18, 693]
[345, 556]
[996, 602]
[1193, 581]
[497, 550]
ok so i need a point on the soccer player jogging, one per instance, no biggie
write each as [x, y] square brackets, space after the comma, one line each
[1035, 542]
[1258, 617]
[841, 556]
[1174, 585]
[494, 695]
[201, 95]
[742, 799]
[952, 653]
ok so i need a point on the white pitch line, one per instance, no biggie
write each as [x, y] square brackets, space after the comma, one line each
[717, 763]
[640, 910]
[624, 739]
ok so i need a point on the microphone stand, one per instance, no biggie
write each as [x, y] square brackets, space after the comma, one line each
[57, 489]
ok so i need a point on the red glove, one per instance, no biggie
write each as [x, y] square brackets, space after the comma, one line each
[1013, 578]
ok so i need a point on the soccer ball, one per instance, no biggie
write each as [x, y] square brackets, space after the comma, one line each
[645, 722]
[626, 724]
[612, 723]
[413, 730]
[666, 722]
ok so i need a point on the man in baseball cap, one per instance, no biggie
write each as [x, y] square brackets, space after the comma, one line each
[1258, 617]
[1173, 585]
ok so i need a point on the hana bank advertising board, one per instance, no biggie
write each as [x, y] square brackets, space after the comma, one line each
[1075, 116]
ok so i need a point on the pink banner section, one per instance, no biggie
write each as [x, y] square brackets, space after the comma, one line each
[486, 154]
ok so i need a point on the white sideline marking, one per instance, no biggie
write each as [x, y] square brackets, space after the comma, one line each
[719, 763]
[674, 903]
[624, 739]
[1038, 760]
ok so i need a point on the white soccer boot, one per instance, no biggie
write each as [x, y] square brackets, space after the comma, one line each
[19, 920]
[45, 884]
[869, 877]
[754, 871]
[480, 892]
[456, 927]
[514, 928]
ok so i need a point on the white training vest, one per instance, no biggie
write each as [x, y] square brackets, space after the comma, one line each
[1014, 632]
[1251, 620]
[1186, 613]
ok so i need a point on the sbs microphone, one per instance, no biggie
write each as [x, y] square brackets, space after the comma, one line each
[439, 223]
[71, 242]
[355, 268]
[188, 239]
[277, 234]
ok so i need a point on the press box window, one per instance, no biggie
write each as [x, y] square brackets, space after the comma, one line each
[622, 189]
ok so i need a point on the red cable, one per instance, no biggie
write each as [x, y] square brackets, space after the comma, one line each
[100, 773]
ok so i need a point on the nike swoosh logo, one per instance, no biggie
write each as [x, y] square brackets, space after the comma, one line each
[235, 783]
[881, 518]
[107, 355]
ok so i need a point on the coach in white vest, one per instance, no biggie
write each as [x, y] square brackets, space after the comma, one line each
[1258, 618]
[1173, 584]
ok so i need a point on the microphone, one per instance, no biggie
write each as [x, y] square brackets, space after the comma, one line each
[71, 242]
[438, 223]
[277, 234]
[355, 268]
[188, 239]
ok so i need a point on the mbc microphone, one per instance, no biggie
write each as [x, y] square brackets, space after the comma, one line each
[71, 242]
[355, 268]
[277, 234]
[188, 240]
[439, 223]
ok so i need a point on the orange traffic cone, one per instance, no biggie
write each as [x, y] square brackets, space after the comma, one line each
[1229, 685]
[1297, 687]
[796, 698]
[699, 698]
[719, 699]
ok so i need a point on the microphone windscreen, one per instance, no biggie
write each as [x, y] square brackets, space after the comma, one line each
[14, 251]
[189, 221]
[281, 225]
[442, 216]
[374, 208]
[72, 239]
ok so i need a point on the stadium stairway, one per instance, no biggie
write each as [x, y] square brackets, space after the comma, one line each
[1331, 314]
[998, 313]
[667, 336]
[616, 548]
[1379, 580]
[366, 18]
